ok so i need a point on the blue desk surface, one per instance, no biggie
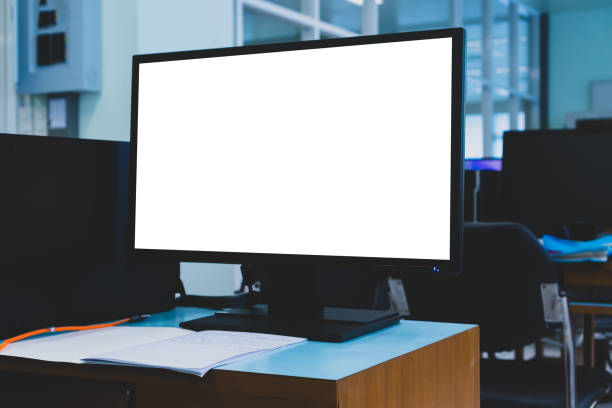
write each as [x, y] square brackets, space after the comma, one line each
[328, 361]
[596, 304]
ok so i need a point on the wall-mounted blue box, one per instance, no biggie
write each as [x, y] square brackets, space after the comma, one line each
[59, 46]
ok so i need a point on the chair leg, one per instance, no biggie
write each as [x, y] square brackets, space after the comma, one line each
[588, 347]
[539, 349]
[569, 357]
[602, 394]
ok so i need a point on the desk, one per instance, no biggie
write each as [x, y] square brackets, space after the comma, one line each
[588, 274]
[411, 364]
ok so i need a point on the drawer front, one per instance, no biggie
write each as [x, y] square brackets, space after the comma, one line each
[31, 390]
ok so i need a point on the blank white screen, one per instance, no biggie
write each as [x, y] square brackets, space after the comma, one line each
[335, 151]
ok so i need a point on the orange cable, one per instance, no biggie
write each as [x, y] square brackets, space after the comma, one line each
[59, 329]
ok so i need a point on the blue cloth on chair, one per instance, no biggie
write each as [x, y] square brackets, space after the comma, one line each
[565, 250]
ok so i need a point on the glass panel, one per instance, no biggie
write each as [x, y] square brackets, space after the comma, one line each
[474, 40]
[472, 12]
[472, 20]
[501, 123]
[261, 28]
[531, 112]
[501, 54]
[290, 4]
[501, 43]
[474, 90]
[409, 15]
[498, 148]
[523, 57]
[473, 136]
[521, 122]
[473, 62]
[500, 94]
[343, 13]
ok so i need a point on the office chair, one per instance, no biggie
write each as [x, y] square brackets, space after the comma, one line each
[509, 288]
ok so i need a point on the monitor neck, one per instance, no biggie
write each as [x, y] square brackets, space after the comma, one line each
[292, 292]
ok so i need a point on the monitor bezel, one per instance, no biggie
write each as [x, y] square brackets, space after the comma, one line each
[453, 265]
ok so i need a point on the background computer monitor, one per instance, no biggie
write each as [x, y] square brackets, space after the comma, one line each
[482, 189]
[303, 154]
[484, 164]
[63, 237]
[552, 178]
[597, 125]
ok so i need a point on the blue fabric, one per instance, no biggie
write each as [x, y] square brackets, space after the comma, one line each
[561, 246]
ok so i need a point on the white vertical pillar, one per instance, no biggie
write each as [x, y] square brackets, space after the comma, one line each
[369, 17]
[534, 70]
[239, 22]
[487, 74]
[4, 27]
[8, 66]
[456, 13]
[25, 122]
[9, 100]
[311, 8]
[515, 100]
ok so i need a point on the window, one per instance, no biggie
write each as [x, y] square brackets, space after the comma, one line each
[502, 63]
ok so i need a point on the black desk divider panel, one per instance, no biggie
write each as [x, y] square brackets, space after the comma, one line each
[557, 178]
[63, 237]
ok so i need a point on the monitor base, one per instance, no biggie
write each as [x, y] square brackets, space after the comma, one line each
[336, 325]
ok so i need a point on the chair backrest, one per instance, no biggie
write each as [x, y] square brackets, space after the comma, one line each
[499, 289]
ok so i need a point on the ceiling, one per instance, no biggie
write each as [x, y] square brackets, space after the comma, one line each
[553, 6]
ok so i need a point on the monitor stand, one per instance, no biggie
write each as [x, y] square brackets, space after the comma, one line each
[293, 309]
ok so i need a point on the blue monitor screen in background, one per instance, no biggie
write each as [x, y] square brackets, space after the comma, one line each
[483, 164]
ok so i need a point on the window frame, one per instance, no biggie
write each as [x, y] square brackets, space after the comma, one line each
[515, 100]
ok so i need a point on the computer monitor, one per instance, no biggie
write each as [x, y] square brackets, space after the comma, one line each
[596, 125]
[341, 151]
[486, 164]
[552, 178]
[481, 189]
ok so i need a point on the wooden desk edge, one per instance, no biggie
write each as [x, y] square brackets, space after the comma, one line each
[214, 382]
[445, 373]
[586, 273]
[590, 309]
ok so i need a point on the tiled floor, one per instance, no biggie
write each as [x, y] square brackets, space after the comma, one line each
[550, 350]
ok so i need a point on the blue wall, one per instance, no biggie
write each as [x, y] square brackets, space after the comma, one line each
[106, 114]
[580, 52]
[146, 26]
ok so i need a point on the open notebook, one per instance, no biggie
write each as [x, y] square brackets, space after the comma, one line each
[157, 347]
